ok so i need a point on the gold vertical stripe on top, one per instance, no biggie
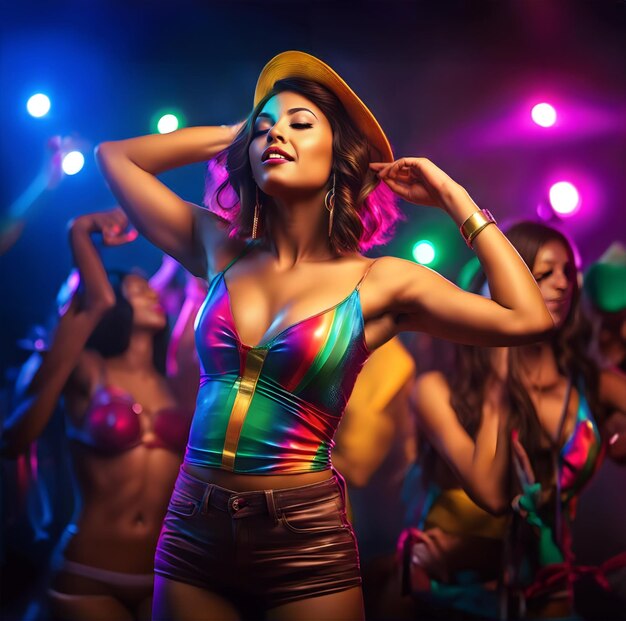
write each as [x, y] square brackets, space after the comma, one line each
[247, 386]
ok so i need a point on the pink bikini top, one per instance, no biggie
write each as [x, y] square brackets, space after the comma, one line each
[112, 424]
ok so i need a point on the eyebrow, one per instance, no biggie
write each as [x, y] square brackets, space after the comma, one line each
[294, 110]
[551, 263]
[267, 115]
[554, 261]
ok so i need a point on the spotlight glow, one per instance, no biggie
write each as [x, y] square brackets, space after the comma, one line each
[167, 123]
[424, 252]
[73, 162]
[544, 115]
[38, 105]
[564, 198]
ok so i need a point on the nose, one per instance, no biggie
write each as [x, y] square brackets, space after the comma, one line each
[274, 134]
[561, 281]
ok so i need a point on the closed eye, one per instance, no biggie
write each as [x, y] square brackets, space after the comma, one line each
[543, 276]
[299, 126]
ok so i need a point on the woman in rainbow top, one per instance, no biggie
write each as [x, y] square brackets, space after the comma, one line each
[257, 523]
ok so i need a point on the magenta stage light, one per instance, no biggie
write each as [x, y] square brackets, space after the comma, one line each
[544, 115]
[545, 211]
[564, 198]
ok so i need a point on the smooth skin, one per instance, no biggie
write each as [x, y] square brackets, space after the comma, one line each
[278, 284]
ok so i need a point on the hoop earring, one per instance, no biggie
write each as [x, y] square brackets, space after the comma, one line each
[329, 203]
[257, 213]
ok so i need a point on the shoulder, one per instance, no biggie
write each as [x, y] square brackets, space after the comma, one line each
[397, 273]
[388, 264]
[214, 233]
[429, 388]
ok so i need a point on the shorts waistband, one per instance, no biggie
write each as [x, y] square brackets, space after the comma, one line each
[271, 501]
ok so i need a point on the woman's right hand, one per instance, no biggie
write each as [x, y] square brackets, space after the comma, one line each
[113, 224]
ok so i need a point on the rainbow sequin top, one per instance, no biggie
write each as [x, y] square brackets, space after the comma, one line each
[581, 454]
[273, 408]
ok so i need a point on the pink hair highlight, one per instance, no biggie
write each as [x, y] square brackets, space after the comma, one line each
[378, 214]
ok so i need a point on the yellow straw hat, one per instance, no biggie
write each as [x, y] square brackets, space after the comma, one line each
[296, 64]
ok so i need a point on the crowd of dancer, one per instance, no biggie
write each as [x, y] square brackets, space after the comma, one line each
[461, 477]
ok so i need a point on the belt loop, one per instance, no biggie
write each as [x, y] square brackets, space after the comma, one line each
[271, 505]
[206, 498]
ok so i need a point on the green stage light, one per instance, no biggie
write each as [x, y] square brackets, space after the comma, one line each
[167, 123]
[166, 120]
[424, 252]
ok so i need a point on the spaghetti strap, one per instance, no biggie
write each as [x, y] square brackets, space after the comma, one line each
[249, 245]
[367, 271]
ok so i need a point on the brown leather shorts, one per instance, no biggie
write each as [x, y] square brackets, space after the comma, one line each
[269, 547]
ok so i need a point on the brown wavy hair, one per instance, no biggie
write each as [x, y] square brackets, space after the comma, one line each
[365, 210]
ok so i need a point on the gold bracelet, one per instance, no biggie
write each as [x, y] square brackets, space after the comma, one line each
[475, 224]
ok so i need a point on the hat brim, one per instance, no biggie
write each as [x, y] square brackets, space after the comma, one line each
[295, 64]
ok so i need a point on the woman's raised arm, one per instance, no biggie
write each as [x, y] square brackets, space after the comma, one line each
[480, 464]
[422, 300]
[37, 400]
[179, 228]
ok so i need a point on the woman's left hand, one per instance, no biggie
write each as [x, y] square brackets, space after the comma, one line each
[417, 180]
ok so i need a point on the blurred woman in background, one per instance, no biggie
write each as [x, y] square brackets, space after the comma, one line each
[547, 403]
[126, 431]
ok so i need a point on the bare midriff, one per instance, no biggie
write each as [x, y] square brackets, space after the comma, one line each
[251, 482]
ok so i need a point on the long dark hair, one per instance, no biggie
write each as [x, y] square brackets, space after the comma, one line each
[365, 209]
[571, 341]
[111, 337]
